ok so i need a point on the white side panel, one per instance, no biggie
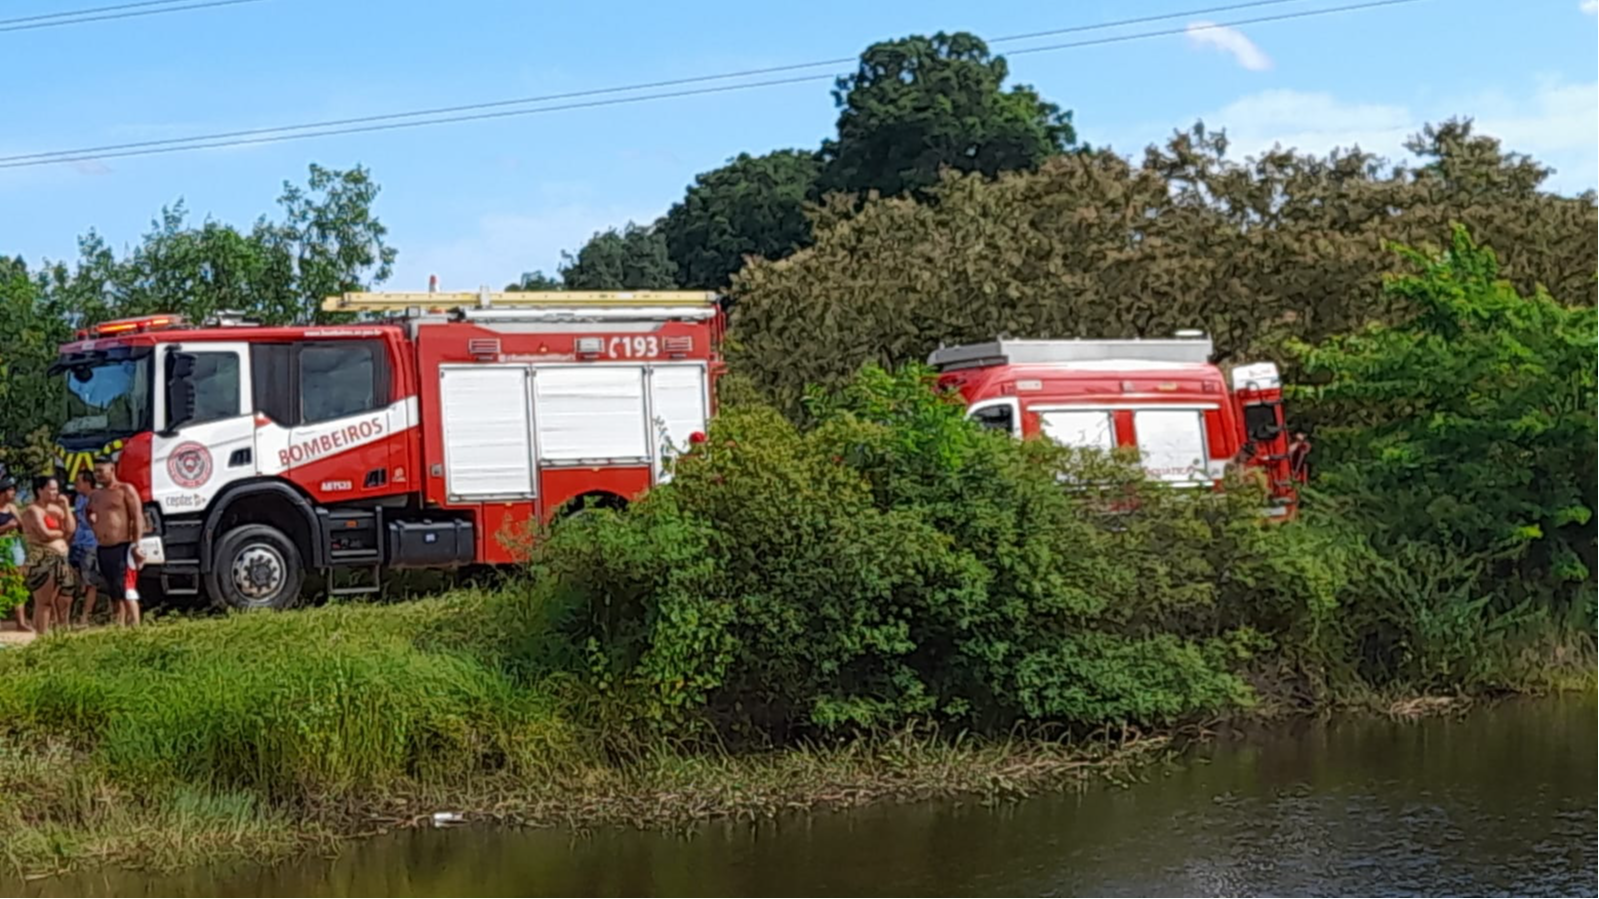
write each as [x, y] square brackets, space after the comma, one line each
[1171, 443]
[591, 413]
[189, 468]
[678, 404]
[1080, 429]
[488, 434]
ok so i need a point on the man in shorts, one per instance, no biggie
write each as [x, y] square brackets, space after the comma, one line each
[118, 520]
[82, 556]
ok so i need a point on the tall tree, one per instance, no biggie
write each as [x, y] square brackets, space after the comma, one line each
[753, 206]
[920, 104]
[1470, 423]
[1091, 245]
[634, 258]
[326, 242]
[333, 241]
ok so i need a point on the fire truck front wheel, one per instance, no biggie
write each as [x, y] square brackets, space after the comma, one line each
[256, 566]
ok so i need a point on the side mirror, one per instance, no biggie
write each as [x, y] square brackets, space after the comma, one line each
[1265, 433]
[180, 390]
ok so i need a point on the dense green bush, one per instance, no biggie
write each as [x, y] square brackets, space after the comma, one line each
[890, 560]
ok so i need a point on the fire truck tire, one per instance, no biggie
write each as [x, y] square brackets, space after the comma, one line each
[256, 566]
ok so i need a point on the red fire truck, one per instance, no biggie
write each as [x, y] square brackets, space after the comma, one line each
[1162, 398]
[432, 433]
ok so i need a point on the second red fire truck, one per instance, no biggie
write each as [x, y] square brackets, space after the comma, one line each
[432, 437]
[1163, 399]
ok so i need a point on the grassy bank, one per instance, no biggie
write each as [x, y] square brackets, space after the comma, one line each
[260, 736]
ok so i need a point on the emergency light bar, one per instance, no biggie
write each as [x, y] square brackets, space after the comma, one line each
[131, 325]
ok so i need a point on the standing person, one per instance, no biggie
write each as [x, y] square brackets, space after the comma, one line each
[82, 556]
[48, 525]
[118, 519]
[13, 588]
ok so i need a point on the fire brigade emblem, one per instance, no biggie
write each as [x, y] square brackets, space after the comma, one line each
[189, 465]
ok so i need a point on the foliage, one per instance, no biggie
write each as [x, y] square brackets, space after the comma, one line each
[535, 281]
[1468, 424]
[918, 105]
[634, 258]
[326, 242]
[892, 561]
[752, 206]
[1285, 245]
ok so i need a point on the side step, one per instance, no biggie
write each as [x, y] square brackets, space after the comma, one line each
[363, 581]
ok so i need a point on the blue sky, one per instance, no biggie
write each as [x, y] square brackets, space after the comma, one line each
[478, 203]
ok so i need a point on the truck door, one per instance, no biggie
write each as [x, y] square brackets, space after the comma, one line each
[341, 444]
[205, 429]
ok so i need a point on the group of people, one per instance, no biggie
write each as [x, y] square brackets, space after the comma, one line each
[72, 551]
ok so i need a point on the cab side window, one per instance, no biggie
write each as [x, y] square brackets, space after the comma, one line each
[341, 379]
[216, 387]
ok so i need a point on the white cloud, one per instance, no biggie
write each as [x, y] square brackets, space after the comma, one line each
[504, 245]
[1554, 123]
[1232, 41]
[1591, 7]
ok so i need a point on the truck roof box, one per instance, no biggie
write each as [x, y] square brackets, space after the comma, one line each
[1044, 352]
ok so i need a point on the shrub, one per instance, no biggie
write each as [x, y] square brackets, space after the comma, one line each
[889, 560]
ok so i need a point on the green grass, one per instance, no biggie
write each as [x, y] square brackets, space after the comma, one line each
[261, 735]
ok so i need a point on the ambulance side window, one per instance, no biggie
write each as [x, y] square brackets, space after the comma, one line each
[341, 379]
[1000, 417]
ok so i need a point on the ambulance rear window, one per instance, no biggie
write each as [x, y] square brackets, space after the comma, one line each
[1079, 429]
[1171, 443]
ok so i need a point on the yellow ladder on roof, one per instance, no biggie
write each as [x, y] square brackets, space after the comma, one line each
[439, 301]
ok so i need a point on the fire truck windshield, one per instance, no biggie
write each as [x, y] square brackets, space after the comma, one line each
[108, 396]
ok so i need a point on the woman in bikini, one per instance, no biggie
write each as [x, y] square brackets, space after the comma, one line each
[13, 590]
[48, 525]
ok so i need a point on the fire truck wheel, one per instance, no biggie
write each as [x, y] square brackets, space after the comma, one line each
[256, 567]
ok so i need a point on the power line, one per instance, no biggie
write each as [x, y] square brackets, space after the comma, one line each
[270, 135]
[81, 16]
[596, 92]
[84, 12]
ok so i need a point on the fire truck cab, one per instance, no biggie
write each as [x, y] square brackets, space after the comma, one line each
[434, 433]
[1164, 399]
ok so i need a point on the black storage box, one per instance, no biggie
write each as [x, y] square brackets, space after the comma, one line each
[428, 543]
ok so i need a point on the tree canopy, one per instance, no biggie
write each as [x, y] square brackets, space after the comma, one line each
[634, 258]
[1470, 422]
[753, 206]
[1254, 252]
[921, 104]
[326, 241]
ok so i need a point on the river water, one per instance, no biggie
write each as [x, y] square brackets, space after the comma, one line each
[1499, 801]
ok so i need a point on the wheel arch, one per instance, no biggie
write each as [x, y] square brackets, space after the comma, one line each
[597, 499]
[263, 502]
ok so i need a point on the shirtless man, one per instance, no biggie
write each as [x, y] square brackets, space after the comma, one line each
[118, 520]
[47, 524]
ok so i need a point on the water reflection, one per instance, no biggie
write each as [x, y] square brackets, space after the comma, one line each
[1501, 801]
